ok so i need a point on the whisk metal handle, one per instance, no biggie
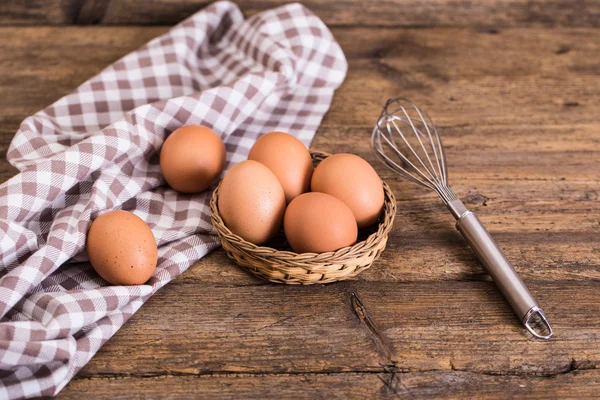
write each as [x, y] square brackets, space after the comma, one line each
[499, 268]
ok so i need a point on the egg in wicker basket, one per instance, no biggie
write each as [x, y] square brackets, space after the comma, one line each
[285, 266]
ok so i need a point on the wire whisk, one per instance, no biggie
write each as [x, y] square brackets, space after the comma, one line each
[406, 141]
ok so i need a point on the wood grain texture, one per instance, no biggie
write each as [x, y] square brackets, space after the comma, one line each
[517, 109]
[388, 385]
[425, 326]
[491, 14]
[536, 79]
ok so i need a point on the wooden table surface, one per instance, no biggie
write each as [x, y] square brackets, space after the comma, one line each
[514, 88]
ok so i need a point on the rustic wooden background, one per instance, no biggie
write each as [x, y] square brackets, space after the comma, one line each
[514, 87]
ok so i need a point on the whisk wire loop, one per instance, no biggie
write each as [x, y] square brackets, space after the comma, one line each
[441, 165]
[404, 132]
[378, 146]
[392, 143]
[418, 135]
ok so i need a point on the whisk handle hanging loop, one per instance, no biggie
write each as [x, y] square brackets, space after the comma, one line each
[499, 268]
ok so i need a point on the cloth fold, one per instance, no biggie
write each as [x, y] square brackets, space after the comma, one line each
[97, 148]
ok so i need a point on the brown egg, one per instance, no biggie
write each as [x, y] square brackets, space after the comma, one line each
[318, 223]
[252, 202]
[192, 158]
[288, 159]
[355, 182]
[121, 248]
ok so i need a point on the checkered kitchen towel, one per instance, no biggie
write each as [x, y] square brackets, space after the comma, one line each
[97, 149]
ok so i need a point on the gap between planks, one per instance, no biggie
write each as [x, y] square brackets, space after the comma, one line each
[572, 367]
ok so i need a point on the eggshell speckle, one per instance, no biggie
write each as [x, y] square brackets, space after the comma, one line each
[318, 223]
[288, 159]
[192, 158]
[252, 202]
[122, 248]
[354, 181]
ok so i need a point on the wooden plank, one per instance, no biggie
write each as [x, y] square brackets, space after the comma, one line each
[483, 13]
[302, 386]
[513, 78]
[482, 150]
[32, 12]
[453, 384]
[426, 256]
[414, 327]
[517, 77]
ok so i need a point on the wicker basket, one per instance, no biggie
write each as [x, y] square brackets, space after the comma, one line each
[285, 266]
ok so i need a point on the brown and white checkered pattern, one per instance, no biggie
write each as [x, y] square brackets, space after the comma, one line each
[97, 149]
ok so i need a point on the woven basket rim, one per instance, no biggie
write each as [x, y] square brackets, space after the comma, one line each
[384, 226]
